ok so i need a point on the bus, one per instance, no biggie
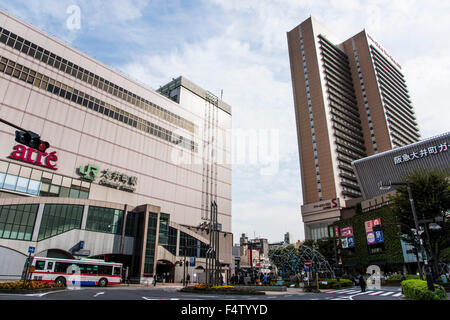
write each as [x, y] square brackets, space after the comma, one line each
[76, 272]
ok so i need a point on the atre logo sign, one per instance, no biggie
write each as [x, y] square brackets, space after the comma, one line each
[33, 156]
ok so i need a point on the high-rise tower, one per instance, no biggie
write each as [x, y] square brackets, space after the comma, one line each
[351, 101]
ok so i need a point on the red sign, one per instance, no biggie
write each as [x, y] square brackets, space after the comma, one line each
[33, 156]
[336, 231]
[308, 263]
[347, 231]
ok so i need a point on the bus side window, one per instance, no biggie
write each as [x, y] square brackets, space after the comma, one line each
[49, 265]
[40, 265]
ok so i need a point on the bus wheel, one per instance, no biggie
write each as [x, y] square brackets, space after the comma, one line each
[61, 280]
[102, 282]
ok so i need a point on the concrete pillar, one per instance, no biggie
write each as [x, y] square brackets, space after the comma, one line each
[37, 225]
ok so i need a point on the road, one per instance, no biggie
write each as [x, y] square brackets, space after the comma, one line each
[171, 293]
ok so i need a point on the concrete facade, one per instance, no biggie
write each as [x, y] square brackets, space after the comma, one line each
[116, 142]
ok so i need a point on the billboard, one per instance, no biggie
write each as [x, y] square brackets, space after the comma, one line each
[372, 236]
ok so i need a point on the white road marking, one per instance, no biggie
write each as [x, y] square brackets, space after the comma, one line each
[376, 293]
[387, 293]
[397, 294]
[97, 294]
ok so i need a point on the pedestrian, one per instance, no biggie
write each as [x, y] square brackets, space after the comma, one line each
[154, 281]
[188, 278]
[362, 283]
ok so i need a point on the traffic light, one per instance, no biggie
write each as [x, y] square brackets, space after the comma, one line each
[32, 140]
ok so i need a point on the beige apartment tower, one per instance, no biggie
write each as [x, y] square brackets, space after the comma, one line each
[351, 101]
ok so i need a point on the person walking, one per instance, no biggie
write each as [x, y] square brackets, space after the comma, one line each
[362, 283]
[154, 281]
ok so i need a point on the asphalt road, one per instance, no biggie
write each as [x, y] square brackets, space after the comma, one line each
[171, 293]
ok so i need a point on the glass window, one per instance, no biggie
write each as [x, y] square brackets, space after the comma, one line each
[10, 182]
[50, 265]
[22, 184]
[33, 187]
[2, 179]
[59, 218]
[40, 264]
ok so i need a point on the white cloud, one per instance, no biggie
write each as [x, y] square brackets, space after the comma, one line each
[241, 47]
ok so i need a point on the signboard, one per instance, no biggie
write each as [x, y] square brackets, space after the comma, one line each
[368, 225]
[307, 263]
[31, 249]
[192, 262]
[351, 242]
[344, 243]
[108, 177]
[379, 236]
[370, 238]
[35, 157]
[347, 231]
[422, 153]
[333, 203]
[336, 231]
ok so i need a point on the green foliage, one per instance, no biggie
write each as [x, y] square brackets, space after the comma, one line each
[334, 284]
[418, 290]
[431, 194]
[398, 278]
[392, 254]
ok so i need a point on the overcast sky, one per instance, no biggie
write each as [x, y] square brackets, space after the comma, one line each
[240, 47]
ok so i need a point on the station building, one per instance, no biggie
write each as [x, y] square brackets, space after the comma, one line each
[130, 173]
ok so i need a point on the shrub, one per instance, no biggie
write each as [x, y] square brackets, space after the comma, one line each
[398, 278]
[334, 284]
[29, 285]
[418, 290]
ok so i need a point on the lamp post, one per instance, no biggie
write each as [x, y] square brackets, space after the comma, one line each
[408, 185]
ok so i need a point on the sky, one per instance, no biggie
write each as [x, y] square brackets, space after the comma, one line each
[240, 47]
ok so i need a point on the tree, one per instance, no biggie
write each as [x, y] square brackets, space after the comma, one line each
[431, 194]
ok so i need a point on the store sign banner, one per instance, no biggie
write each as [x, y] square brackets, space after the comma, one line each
[371, 238]
[35, 157]
[108, 178]
[422, 153]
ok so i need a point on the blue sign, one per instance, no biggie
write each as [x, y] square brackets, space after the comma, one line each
[31, 249]
[81, 244]
[306, 269]
[351, 242]
[379, 236]
[192, 262]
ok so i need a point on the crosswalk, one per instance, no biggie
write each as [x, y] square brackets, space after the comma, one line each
[348, 294]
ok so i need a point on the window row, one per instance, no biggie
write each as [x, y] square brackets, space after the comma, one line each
[57, 88]
[17, 221]
[106, 220]
[40, 183]
[39, 53]
[59, 218]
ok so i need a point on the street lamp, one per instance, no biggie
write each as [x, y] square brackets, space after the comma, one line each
[408, 185]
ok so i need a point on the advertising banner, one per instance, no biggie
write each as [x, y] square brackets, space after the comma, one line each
[347, 231]
[371, 238]
[351, 242]
[344, 243]
[379, 236]
[368, 225]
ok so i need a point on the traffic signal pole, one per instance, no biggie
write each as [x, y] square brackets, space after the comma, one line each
[12, 125]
